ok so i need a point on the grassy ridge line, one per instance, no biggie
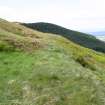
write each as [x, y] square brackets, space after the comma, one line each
[10, 41]
[15, 36]
[16, 28]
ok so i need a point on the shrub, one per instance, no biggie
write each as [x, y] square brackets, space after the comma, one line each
[87, 61]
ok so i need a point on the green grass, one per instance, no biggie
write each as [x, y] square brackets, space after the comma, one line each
[48, 76]
[59, 73]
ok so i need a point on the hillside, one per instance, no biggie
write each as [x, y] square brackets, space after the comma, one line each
[83, 39]
[46, 69]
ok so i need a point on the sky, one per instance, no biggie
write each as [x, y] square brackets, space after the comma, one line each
[80, 15]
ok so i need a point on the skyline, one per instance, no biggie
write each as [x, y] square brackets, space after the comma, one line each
[80, 15]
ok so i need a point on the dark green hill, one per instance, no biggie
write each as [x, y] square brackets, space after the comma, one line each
[83, 39]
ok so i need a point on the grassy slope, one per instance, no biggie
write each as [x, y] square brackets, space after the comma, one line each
[15, 36]
[59, 73]
[83, 39]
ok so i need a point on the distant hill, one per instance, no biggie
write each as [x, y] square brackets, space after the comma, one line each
[83, 39]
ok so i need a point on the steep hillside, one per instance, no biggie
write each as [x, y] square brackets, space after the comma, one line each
[77, 37]
[16, 37]
[52, 71]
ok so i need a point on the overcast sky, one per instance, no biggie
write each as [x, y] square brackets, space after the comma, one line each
[82, 15]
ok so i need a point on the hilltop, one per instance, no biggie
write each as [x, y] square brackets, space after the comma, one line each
[80, 38]
[39, 68]
[16, 37]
